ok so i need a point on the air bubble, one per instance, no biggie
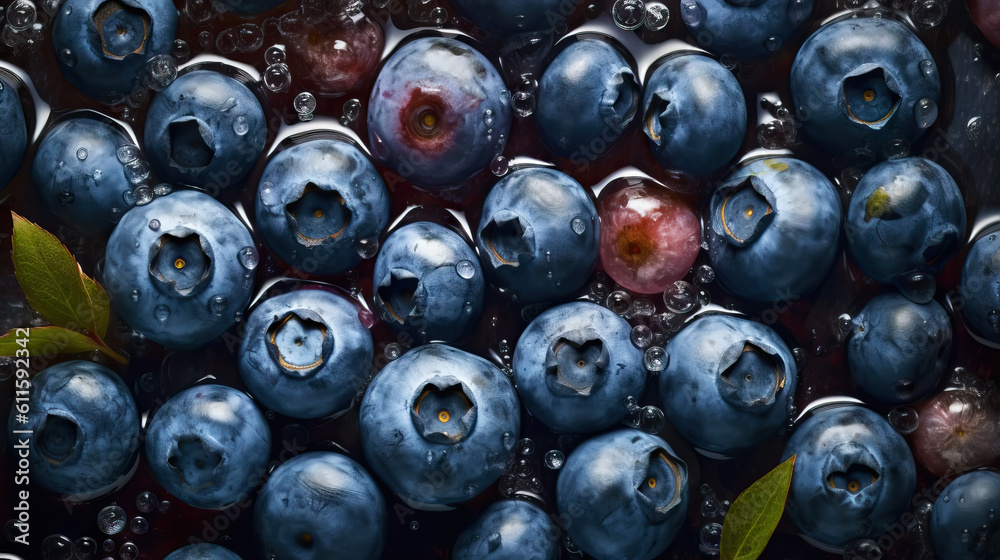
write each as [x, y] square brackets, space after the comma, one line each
[975, 128]
[629, 14]
[657, 16]
[128, 551]
[499, 166]
[439, 16]
[710, 538]
[111, 520]
[523, 103]
[554, 459]
[85, 548]
[277, 78]
[367, 248]
[142, 195]
[134, 296]
[641, 336]
[897, 148]
[138, 526]
[862, 549]
[465, 269]
[619, 302]
[21, 15]
[927, 13]
[129, 198]
[274, 55]
[772, 43]
[844, 326]
[680, 297]
[704, 275]
[925, 112]
[917, 287]
[241, 126]
[161, 313]
[249, 37]
[692, 13]
[652, 420]
[352, 110]
[181, 51]
[656, 359]
[392, 351]
[161, 71]
[305, 105]
[525, 446]
[508, 485]
[904, 419]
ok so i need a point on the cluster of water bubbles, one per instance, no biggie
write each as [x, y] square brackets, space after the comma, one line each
[276, 77]
[633, 14]
[713, 512]
[649, 419]
[22, 26]
[520, 475]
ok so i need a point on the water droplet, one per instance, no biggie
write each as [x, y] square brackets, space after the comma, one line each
[465, 269]
[965, 536]
[525, 446]
[180, 50]
[904, 419]
[217, 305]
[65, 198]
[162, 313]
[108, 545]
[554, 459]
[508, 485]
[642, 336]
[844, 325]
[523, 103]
[134, 296]
[862, 549]
[238, 316]
[471, 490]
[524, 468]
[352, 110]
[945, 499]
[128, 551]
[927, 67]
[304, 104]
[961, 499]
[656, 359]
[111, 520]
[897, 148]
[439, 16]
[85, 548]
[161, 71]
[274, 54]
[143, 195]
[629, 14]
[138, 525]
[657, 16]
[772, 43]
[21, 15]
[917, 287]
[976, 128]
[619, 302]
[680, 297]
[993, 316]
[68, 10]
[164, 506]
[129, 198]
[127, 153]
[925, 112]
[67, 57]
[240, 125]
[277, 78]
[704, 275]
[652, 420]
[710, 538]
[508, 441]
[927, 13]
[392, 351]
[367, 248]
[97, 174]
[692, 13]
[771, 135]
[499, 166]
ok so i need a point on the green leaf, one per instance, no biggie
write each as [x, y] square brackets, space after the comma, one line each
[99, 302]
[52, 279]
[754, 515]
[46, 341]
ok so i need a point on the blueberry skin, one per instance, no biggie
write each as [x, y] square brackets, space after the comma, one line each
[305, 354]
[317, 201]
[455, 448]
[510, 530]
[906, 215]
[321, 505]
[83, 192]
[980, 288]
[744, 29]
[202, 551]
[627, 494]
[103, 45]
[967, 508]
[463, 98]
[728, 383]
[539, 235]
[773, 228]
[899, 349]
[517, 16]
[252, 7]
[574, 366]
[589, 92]
[208, 445]
[428, 282]
[85, 428]
[188, 306]
[839, 450]
[193, 131]
[695, 114]
[841, 63]
[13, 133]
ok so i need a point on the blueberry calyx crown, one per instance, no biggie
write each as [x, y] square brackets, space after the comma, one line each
[443, 411]
[750, 376]
[510, 240]
[743, 210]
[123, 29]
[660, 485]
[192, 143]
[299, 342]
[181, 263]
[402, 295]
[194, 461]
[655, 120]
[318, 215]
[851, 470]
[871, 96]
[57, 438]
[575, 365]
[620, 101]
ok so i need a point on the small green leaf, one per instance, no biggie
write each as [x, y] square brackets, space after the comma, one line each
[99, 302]
[51, 278]
[46, 341]
[754, 515]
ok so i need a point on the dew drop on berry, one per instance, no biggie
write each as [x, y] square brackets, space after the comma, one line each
[161, 313]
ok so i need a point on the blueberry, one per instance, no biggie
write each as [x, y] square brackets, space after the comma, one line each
[899, 349]
[905, 216]
[208, 446]
[854, 476]
[510, 530]
[627, 494]
[695, 114]
[728, 384]
[980, 288]
[202, 551]
[205, 129]
[438, 425]
[439, 112]
[84, 428]
[773, 227]
[859, 84]
[574, 366]
[321, 505]
[517, 16]
[428, 282]
[317, 202]
[305, 354]
[539, 235]
[744, 28]
[588, 95]
[102, 45]
[13, 131]
[180, 269]
[79, 176]
[964, 523]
